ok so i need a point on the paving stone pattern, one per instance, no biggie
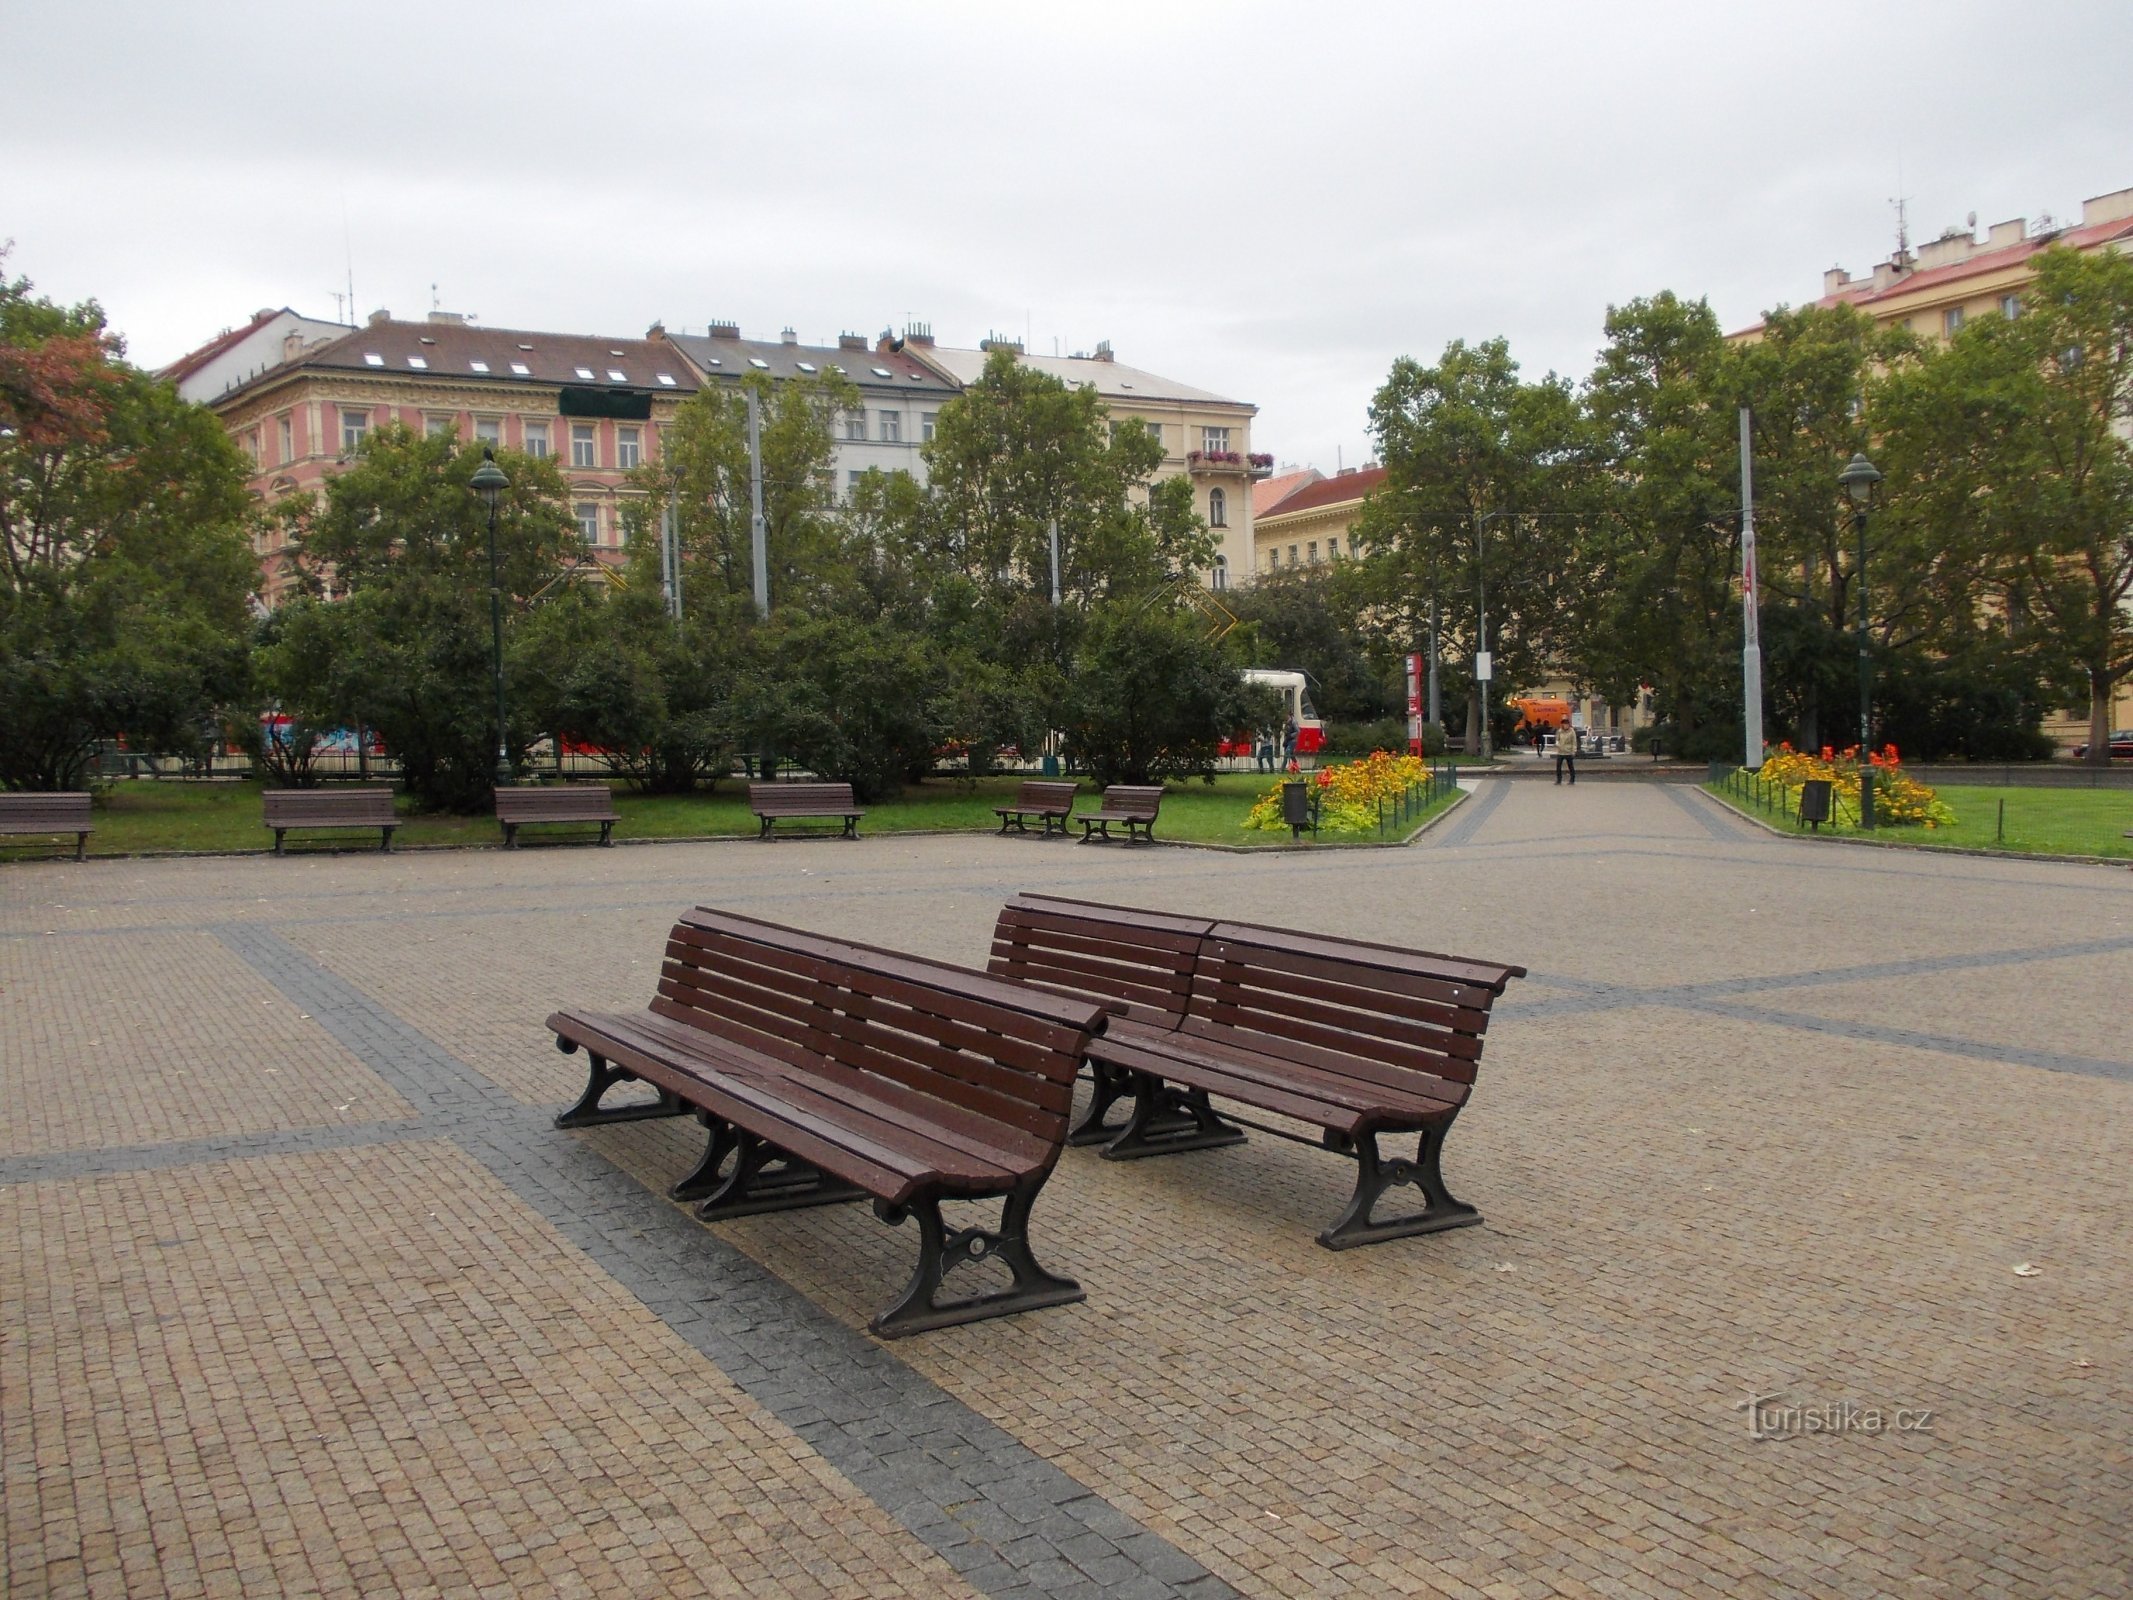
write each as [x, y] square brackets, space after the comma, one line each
[1771, 1118]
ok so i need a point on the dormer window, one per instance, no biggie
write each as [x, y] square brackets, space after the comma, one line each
[759, 363]
[419, 363]
[371, 358]
[616, 375]
[519, 369]
[666, 380]
[586, 373]
[477, 366]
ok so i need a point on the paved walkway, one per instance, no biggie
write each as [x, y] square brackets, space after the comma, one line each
[306, 1297]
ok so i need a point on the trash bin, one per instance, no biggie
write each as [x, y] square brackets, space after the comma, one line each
[1296, 808]
[1814, 802]
[1051, 766]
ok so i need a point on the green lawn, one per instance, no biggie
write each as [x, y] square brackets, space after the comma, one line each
[139, 816]
[2049, 822]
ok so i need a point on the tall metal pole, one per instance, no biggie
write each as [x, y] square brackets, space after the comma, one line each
[1751, 654]
[1866, 683]
[496, 645]
[757, 538]
[1484, 669]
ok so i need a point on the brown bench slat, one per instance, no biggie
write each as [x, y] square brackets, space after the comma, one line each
[772, 802]
[55, 813]
[286, 809]
[1135, 805]
[825, 1070]
[1355, 1038]
[1139, 968]
[517, 805]
[1050, 800]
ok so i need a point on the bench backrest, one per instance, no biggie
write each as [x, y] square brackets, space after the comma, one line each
[1135, 963]
[782, 799]
[986, 1053]
[1368, 1011]
[65, 811]
[303, 808]
[562, 802]
[1045, 794]
[1134, 800]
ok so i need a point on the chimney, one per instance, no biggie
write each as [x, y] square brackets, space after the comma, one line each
[787, 336]
[2112, 207]
[2004, 235]
[454, 319]
[724, 330]
[380, 315]
[1103, 350]
[851, 341]
[1835, 279]
[918, 333]
[292, 344]
[992, 342]
[656, 331]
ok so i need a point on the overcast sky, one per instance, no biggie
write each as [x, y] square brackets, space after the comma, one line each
[1270, 201]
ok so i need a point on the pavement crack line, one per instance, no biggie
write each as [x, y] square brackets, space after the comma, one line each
[917, 1451]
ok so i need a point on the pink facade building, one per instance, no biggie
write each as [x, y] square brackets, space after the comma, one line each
[596, 406]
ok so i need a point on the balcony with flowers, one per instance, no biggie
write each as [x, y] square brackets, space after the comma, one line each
[1229, 463]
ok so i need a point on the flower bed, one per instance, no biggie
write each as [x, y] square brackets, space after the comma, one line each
[1900, 800]
[1349, 795]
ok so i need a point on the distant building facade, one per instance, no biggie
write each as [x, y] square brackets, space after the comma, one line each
[596, 406]
[900, 399]
[238, 355]
[1314, 522]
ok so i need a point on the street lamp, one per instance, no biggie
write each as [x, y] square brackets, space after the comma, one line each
[1861, 478]
[490, 483]
[1484, 669]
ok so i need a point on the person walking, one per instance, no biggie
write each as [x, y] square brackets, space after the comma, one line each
[1263, 748]
[1566, 753]
[1288, 746]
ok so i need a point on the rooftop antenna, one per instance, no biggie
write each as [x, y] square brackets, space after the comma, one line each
[1902, 203]
[435, 303]
[348, 246]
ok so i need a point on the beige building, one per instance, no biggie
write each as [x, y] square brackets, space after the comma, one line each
[1934, 290]
[1314, 521]
[1204, 437]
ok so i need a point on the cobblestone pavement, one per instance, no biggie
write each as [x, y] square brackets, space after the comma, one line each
[303, 1295]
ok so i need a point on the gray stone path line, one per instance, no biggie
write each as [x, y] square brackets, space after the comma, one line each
[103, 1160]
[1715, 819]
[1008, 1521]
[1467, 821]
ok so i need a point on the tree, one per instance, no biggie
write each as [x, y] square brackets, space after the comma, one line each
[1308, 618]
[124, 525]
[849, 699]
[408, 651]
[1486, 476]
[2061, 472]
[1017, 451]
[1151, 697]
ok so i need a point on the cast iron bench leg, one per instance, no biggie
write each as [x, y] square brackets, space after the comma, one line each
[588, 1112]
[763, 1178]
[1113, 1084]
[606, 829]
[942, 1249]
[1167, 1119]
[81, 846]
[278, 832]
[1375, 1175]
[510, 836]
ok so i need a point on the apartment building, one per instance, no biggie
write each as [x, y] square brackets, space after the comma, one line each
[1314, 522]
[595, 405]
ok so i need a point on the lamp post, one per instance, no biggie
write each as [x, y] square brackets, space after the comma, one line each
[1484, 668]
[1860, 478]
[490, 483]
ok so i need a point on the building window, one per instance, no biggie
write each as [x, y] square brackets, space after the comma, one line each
[354, 425]
[626, 447]
[1950, 320]
[851, 482]
[927, 422]
[1333, 549]
[1155, 434]
[855, 425]
[892, 427]
[436, 427]
[588, 514]
[2010, 306]
[1292, 555]
[1217, 509]
[288, 440]
[1214, 439]
[582, 448]
[537, 440]
[1221, 572]
[489, 430]
[251, 446]
[1314, 552]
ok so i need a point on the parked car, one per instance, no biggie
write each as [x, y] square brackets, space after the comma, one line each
[2121, 747]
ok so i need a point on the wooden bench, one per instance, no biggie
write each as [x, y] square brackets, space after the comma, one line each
[54, 814]
[1133, 804]
[1356, 1039]
[1051, 801]
[287, 809]
[522, 804]
[772, 801]
[827, 1071]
